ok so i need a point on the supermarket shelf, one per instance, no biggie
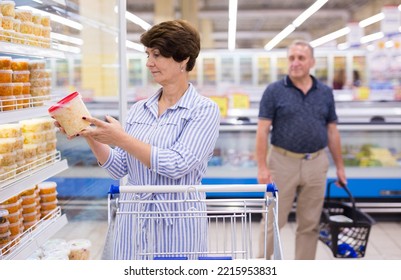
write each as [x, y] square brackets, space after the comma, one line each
[21, 114]
[36, 236]
[24, 50]
[13, 187]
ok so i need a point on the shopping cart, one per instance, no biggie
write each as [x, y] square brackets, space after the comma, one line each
[343, 227]
[228, 225]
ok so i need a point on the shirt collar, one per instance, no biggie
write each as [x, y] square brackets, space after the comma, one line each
[185, 101]
[289, 83]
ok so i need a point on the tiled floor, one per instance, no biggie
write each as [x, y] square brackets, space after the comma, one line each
[89, 220]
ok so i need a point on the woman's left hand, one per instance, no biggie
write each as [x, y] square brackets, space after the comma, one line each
[106, 132]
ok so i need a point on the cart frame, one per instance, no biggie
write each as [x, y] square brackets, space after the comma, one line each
[229, 221]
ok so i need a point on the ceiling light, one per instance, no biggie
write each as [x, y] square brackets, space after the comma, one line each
[308, 12]
[371, 20]
[56, 18]
[279, 37]
[135, 46]
[372, 37]
[232, 23]
[135, 19]
[330, 37]
[296, 23]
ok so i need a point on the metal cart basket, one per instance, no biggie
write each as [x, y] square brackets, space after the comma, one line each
[228, 226]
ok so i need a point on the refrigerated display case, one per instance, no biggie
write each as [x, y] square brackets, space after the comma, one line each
[371, 151]
[86, 59]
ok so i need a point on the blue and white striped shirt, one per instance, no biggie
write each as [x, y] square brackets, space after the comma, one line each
[182, 141]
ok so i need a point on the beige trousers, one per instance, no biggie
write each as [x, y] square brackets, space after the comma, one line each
[305, 181]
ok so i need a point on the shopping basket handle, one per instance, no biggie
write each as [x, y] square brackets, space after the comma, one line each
[346, 189]
[115, 189]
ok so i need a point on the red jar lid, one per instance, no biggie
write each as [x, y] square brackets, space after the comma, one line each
[63, 101]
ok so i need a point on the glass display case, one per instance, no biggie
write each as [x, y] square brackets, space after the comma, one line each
[81, 56]
[371, 152]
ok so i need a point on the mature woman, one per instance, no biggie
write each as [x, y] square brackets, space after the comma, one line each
[168, 140]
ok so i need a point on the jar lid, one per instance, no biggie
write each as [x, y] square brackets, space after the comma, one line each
[63, 101]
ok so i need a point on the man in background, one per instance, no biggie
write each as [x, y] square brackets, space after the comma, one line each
[299, 113]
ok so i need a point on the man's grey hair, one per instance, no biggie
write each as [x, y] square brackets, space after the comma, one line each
[302, 43]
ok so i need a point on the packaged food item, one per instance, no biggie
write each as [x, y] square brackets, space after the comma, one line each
[24, 15]
[69, 112]
[11, 130]
[30, 150]
[11, 207]
[45, 20]
[45, 198]
[20, 64]
[79, 249]
[7, 8]
[34, 137]
[30, 217]
[7, 145]
[8, 23]
[6, 89]
[28, 199]
[5, 62]
[8, 103]
[6, 76]
[8, 158]
[13, 217]
[21, 76]
[47, 206]
[32, 125]
[37, 64]
[47, 187]
[37, 18]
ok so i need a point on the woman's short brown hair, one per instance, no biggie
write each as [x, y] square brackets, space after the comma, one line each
[176, 38]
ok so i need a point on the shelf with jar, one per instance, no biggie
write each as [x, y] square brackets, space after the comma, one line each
[28, 154]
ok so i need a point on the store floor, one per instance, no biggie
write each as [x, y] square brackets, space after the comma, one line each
[88, 219]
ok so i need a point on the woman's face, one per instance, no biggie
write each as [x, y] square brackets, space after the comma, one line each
[164, 70]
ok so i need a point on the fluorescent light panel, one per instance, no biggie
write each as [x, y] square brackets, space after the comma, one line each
[309, 12]
[137, 20]
[232, 23]
[372, 37]
[329, 37]
[279, 37]
[296, 23]
[135, 46]
[371, 20]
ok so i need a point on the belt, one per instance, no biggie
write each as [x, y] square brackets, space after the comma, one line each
[307, 156]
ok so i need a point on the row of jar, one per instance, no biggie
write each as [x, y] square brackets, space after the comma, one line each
[22, 26]
[23, 211]
[7, 8]
[26, 145]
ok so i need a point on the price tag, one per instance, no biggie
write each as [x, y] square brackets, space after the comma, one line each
[240, 101]
[222, 102]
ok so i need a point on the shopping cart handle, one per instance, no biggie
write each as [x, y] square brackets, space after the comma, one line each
[271, 188]
[114, 189]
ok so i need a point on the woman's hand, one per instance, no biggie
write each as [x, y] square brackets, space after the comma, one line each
[107, 132]
[62, 130]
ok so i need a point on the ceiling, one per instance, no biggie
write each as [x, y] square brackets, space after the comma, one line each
[258, 21]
